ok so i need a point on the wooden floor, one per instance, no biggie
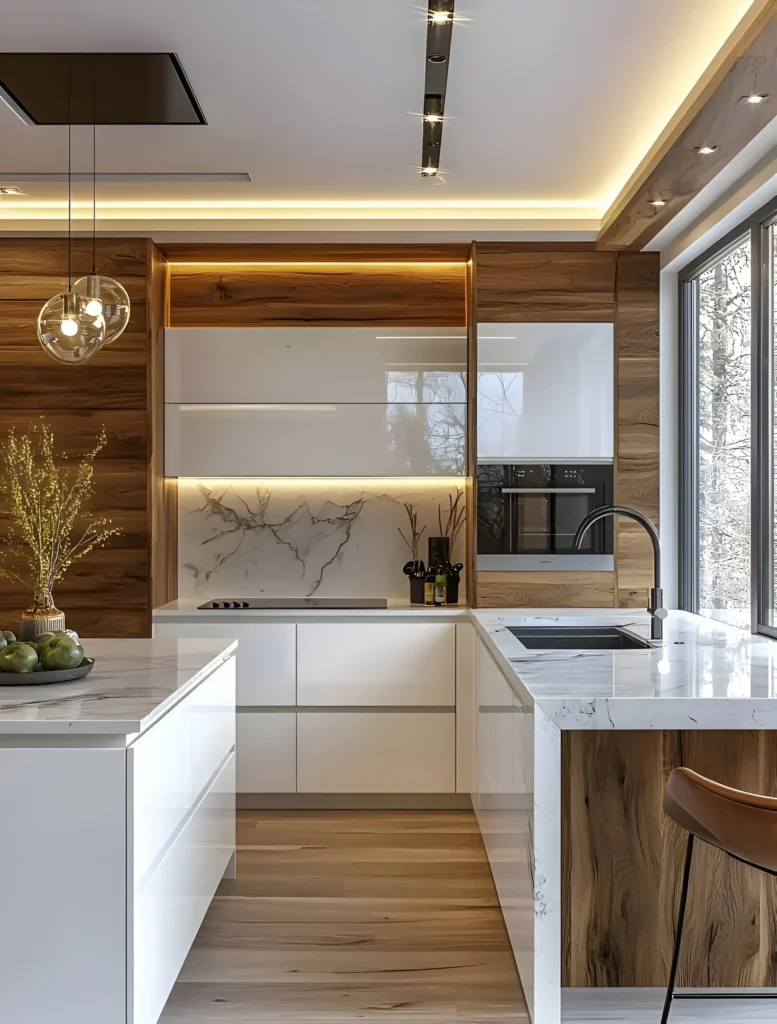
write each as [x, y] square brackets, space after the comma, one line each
[353, 916]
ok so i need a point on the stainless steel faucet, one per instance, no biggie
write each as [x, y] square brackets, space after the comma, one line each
[655, 606]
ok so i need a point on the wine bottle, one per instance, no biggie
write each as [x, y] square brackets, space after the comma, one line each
[440, 584]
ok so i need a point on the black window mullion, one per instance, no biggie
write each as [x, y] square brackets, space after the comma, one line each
[763, 430]
[689, 445]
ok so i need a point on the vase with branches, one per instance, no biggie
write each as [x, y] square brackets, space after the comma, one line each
[44, 502]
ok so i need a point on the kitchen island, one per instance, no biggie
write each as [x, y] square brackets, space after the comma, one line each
[118, 822]
[573, 749]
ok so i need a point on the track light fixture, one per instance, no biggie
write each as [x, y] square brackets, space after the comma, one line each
[439, 30]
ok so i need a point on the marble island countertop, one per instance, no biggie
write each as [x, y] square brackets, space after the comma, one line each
[133, 683]
[702, 675]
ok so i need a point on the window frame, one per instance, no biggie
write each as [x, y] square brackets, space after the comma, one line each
[759, 228]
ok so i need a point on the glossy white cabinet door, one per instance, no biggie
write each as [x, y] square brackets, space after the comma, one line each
[546, 392]
[322, 439]
[389, 663]
[315, 364]
[376, 752]
[266, 657]
[266, 752]
[168, 913]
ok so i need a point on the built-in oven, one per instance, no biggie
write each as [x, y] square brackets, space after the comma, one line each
[528, 514]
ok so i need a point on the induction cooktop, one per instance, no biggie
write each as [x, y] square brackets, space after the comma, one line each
[229, 604]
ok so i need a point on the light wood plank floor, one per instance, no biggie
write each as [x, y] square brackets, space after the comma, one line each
[353, 916]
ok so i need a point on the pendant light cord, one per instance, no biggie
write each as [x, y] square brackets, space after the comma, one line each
[94, 198]
[69, 190]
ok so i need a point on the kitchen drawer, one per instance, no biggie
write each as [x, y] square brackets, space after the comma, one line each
[172, 763]
[387, 663]
[266, 752]
[376, 752]
[266, 656]
[166, 916]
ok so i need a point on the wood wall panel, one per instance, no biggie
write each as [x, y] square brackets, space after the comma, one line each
[637, 455]
[544, 286]
[299, 252]
[358, 295]
[107, 593]
[527, 283]
[622, 864]
[546, 589]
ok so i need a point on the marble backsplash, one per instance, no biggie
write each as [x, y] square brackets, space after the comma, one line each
[299, 538]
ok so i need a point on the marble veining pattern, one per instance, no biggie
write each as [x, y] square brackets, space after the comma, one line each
[132, 684]
[703, 674]
[248, 539]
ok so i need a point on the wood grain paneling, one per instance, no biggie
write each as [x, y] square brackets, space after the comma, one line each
[371, 295]
[544, 286]
[546, 589]
[290, 252]
[637, 455]
[711, 115]
[107, 593]
[623, 862]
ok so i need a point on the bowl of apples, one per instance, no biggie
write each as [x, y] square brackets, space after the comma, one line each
[56, 657]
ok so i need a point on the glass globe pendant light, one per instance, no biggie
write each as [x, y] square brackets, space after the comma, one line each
[106, 301]
[65, 330]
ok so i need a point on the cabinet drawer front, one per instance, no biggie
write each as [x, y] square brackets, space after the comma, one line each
[266, 752]
[380, 752]
[171, 765]
[382, 664]
[167, 914]
[266, 657]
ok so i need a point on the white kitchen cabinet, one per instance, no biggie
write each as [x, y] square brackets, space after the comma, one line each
[376, 752]
[266, 657]
[546, 392]
[315, 364]
[266, 752]
[283, 439]
[364, 664]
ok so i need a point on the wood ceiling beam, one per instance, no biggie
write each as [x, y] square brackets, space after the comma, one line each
[713, 115]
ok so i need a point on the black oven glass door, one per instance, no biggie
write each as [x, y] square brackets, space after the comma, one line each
[536, 510]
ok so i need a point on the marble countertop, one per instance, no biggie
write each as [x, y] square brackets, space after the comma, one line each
[186, 610]
[133, 683]
[703, 675]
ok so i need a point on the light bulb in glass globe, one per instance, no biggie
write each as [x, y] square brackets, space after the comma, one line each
[106, 299]
[65, 330]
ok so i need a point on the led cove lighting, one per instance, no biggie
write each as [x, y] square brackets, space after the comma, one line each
[328, 481]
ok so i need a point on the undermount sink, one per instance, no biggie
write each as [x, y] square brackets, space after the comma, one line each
[578, 638]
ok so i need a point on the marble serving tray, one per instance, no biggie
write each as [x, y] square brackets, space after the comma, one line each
[63, 675]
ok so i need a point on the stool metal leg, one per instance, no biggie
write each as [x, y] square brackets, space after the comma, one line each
[678, 934]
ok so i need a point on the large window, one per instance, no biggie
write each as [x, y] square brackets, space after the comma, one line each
[728, 511]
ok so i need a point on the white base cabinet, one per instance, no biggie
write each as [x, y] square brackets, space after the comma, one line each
[266, 752]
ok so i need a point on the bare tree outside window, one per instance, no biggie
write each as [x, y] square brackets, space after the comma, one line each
[724, 438]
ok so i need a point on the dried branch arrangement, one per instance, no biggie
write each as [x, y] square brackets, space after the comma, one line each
[457, 512]
[415, 534]
[44, 499]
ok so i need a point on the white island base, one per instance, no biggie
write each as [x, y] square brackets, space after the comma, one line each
[117, 802]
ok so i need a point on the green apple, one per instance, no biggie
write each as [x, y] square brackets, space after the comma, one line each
[3, 642]
[60, 653]
[17, 657]
[42, 638]
[9, 636]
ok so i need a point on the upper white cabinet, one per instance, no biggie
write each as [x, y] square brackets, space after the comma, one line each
[315, 364]
[318, 401]
[546, 392]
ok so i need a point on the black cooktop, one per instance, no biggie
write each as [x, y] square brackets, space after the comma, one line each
[229, 604]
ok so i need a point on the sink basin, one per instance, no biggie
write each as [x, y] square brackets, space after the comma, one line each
[578, 638]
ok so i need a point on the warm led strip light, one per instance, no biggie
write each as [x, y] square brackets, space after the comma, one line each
[327, 481]
[414, 264]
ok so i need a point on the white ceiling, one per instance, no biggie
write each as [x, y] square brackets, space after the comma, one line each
[552, 105]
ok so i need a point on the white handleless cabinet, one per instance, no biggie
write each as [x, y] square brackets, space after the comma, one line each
[376, 664]
[380, 752]
[266, 657]
[266, 752]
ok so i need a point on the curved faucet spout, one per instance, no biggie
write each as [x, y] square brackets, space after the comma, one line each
[657, 613]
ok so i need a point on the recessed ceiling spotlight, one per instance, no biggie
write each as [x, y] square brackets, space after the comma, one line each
[658, 202]
[433, 118]
[9, 190]
[705, 150]
[440, 17]
[755, 98]
[437, 58]
[429, 171]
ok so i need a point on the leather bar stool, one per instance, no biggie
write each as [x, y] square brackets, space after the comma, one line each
[743, 825]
